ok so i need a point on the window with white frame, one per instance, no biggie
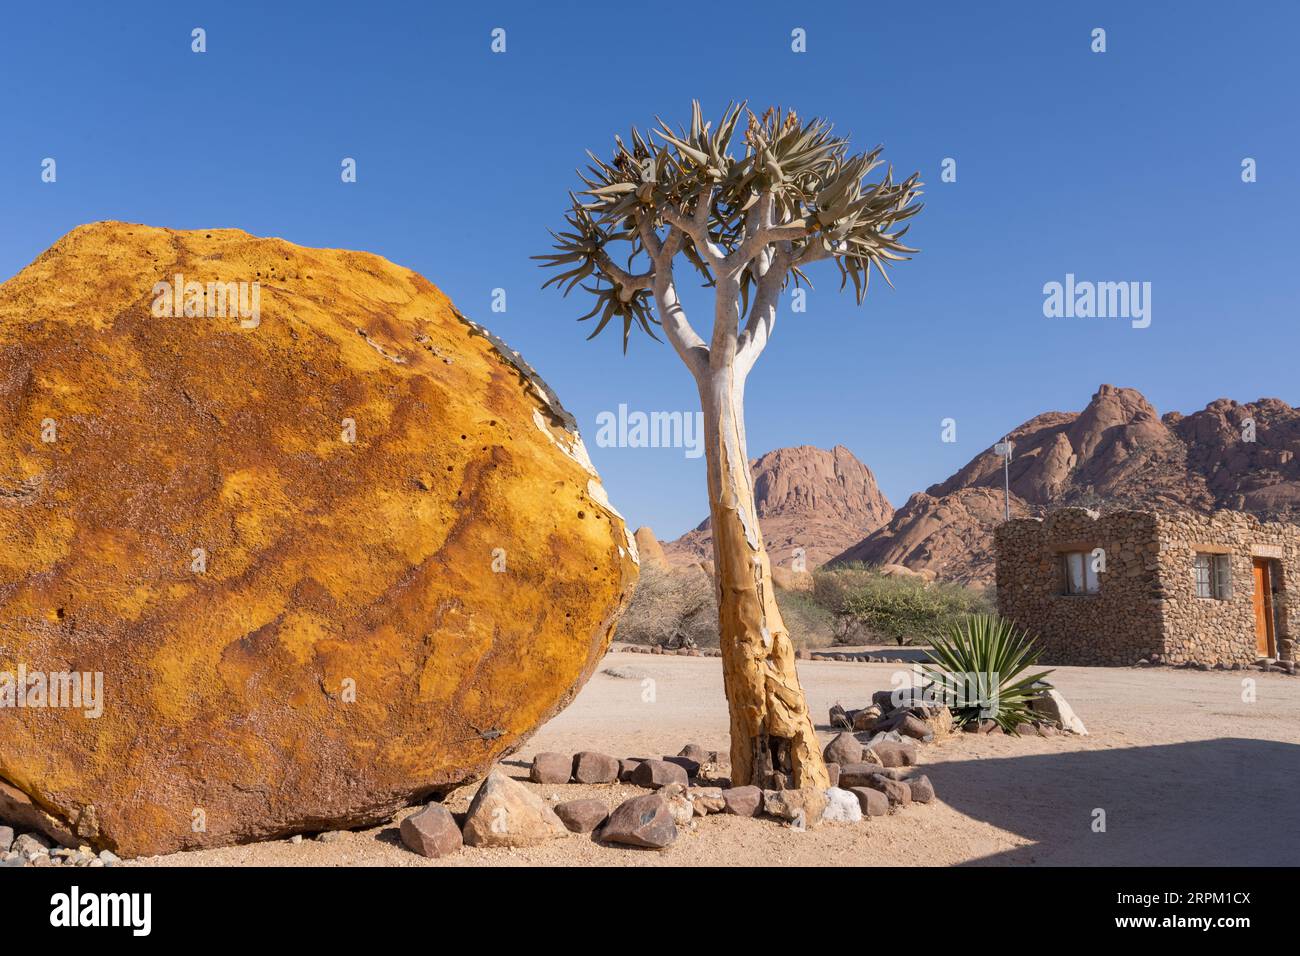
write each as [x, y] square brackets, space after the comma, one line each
[1212, 574]
[1080, 573]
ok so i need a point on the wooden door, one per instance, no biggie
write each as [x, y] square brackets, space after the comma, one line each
[1263, 609]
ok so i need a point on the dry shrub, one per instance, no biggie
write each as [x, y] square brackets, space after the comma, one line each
[671, 607]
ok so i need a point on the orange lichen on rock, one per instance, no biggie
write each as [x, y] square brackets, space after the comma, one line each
[329, 559]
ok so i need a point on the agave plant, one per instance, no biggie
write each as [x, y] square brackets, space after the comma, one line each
[979, 671]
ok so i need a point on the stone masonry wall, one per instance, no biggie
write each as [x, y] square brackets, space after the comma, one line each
[1210, 630]
[1147, 603]
[1116, 626]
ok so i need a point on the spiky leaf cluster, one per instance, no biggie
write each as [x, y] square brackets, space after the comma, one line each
[820, 195]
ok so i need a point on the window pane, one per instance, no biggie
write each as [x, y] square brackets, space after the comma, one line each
[1222, 576]
[1201, 573]
[1093, 583]
[1074, 566]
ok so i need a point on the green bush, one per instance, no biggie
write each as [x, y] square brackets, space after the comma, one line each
[809, 623]
[869, 607]
[976, 669]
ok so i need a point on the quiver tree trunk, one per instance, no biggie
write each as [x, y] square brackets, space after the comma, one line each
[773, 742]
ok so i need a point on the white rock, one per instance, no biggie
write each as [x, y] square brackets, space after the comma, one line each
[841, 807]
[1055, 707]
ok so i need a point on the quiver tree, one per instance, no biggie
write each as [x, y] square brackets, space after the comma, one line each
[749, 224]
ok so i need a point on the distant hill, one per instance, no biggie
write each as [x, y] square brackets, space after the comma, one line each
[822, 501]
[1116, 453]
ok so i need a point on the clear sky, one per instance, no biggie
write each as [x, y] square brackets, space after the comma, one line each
[1115, 166]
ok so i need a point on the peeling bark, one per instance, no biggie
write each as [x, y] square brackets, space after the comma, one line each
[772, 731]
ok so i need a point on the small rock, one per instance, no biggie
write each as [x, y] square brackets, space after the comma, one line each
[873, 802]
[109, 858]
[31, 844]
[841, 807]
[857, 774]
[504, 812]
[1025, 729]
[715, 772]
[592, 767]
[644, 821]
[915, 727]
[839, 716]
[695, 752]
[626, 767]
[833, 771]
[432, 832]
[551, 768]
[844, 749]
[582, 816]
[296, 839]
[692, 767]
[743, 801]
[680, 804]
[898, 792]
[6, 839]
[891, 754]
[707, 800]
[920, 789]
[1053, 706]
[329, 836]
[803, 807]
[659, 773]
[885, 701]
[865, 720]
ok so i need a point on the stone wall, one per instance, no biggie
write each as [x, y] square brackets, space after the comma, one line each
[1119, 624]
[1147, 603]
[1223, 631]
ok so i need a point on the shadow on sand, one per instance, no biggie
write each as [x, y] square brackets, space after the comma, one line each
[1218, 802]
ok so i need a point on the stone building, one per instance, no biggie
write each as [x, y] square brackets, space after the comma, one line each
[1113, 589]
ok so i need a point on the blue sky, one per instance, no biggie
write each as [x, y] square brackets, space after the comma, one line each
[1120, 166]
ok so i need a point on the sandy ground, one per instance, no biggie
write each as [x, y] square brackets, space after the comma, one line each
[1185, 771]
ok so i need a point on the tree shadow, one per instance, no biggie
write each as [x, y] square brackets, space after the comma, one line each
[1224, 802]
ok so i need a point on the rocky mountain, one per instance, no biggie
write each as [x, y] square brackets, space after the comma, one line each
[810, 498]
[1116, 453]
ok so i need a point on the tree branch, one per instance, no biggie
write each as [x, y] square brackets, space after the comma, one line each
[626, 281]
[697, 227]
[685, 340]
[815, 251]
[762, 312]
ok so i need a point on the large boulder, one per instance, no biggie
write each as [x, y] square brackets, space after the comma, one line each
[330, 557]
